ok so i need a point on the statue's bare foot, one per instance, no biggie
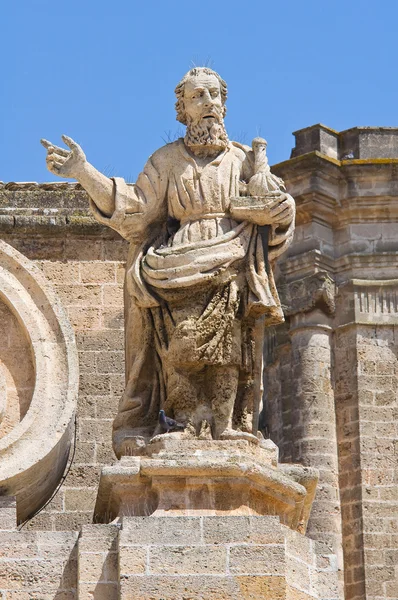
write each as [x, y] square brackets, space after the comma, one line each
[205, 431]
[232, 434]
[130, 446]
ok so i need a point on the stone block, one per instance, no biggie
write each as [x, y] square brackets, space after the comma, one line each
[59, 271]
[327, 586]
[71, 521]
[83, 476]
[250, 530]
[86, 407]
[202, 587]
[117, 383]
[110, 362]
[161, 530]
[43, 522]
[35, 575]
[82, 499]
[120, 272]
[98, 591]
[317, 137]
[113, 295]
[133, 560]
[116, 249]
[85, 453]
[98, 272]
[80, 295]
[8, 512]
[98, 538]
[84, 318]
[95, 385]
[106, 406]
[298, 573]
[59, 544]
[104, 454]
[299, 547]
[257, 560]
[188, 560]
[112, 318]
[100, 340]
[87, 362]
[15, 544]
[86, 250]
[95, 429]
[92, 567]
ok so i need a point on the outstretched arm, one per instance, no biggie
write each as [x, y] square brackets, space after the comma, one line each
[73, 164]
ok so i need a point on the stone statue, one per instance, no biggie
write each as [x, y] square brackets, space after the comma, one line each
[205, 221]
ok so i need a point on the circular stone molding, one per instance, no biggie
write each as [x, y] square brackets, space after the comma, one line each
[33, 455]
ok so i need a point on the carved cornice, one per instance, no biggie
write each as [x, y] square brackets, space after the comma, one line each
[341, 192]
[316, 291]
[367, 302]
[376, 302]
[23, 186]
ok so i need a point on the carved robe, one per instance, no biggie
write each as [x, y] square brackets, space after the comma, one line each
[196, 279]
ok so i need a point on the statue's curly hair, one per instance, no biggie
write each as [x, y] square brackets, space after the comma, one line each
[179, 91]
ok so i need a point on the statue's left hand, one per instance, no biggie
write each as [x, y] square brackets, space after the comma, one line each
[281, 207]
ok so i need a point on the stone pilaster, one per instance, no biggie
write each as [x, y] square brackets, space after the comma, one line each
[366, 367]
[310, 308]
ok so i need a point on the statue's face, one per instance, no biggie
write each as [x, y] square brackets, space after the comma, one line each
[202, 98]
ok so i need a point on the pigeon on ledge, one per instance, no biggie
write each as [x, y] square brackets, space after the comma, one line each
[168, 424]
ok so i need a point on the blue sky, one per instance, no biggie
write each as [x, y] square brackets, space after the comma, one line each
[104, 73]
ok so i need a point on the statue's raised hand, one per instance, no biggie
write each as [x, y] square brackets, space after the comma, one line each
[65, 163]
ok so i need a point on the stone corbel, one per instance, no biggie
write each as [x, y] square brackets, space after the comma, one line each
[316, 291]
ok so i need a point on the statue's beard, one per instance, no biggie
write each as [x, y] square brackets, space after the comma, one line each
[206, 137]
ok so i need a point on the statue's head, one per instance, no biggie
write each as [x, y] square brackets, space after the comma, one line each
[199, 80]
[201, 96]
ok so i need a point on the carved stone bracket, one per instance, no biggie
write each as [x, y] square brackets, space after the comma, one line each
[304, 295]
[180, 477]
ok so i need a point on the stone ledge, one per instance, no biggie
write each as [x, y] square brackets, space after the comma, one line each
[366, 143]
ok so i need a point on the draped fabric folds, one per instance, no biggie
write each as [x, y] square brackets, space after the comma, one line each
[184, 248]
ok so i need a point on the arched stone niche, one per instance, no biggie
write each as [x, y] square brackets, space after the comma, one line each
[38, 383]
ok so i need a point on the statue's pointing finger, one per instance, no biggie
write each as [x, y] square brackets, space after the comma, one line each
[72, 144]
[51, 148]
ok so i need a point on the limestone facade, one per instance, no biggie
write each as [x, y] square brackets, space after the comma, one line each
[332, 367]
[330, 396]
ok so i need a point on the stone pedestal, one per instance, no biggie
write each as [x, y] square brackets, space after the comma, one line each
[203, 558]
[202, 477]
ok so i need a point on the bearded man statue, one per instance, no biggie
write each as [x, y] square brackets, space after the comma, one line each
[199, 286]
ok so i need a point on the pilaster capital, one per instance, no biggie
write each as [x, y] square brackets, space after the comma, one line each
[316, 291]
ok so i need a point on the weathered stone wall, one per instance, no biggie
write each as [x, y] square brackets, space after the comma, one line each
[35, 565]
[339, 283]
[50, 224]
[172, 558]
